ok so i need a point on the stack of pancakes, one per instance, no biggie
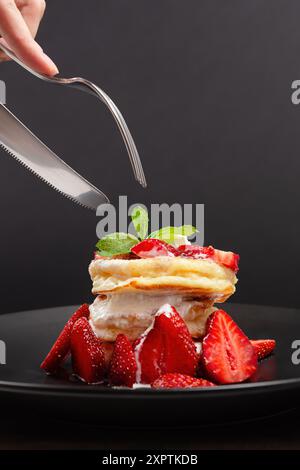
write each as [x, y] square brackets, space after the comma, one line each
[130, 291]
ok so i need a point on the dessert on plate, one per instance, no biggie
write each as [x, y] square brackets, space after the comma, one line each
[155, 319]
[130, 290]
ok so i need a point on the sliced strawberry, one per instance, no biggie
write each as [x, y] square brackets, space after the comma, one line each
[180, 381]
[123, 364]
[152, 247]
[227, 354]
[228, 259]
[61, 348]
[167, 346]
[196, 251]
[108, 350]
[88, 357]
[263, 347]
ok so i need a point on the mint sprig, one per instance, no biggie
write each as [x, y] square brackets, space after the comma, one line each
[120, 243]
[116, 243]
[140, 220]
[171, 234]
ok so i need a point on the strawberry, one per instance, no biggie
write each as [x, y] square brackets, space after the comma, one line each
[108, 350]
[88, 357]
[196, 251]
[61, 348]
[152, 247]
[263, 347]
[227, 354]
[180, 381]
[123, 364]
[166, 346]
[227, 258]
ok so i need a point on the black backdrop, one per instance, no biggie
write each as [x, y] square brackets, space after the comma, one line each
[205, 87]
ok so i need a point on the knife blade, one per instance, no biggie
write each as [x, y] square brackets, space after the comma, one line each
[31, 152]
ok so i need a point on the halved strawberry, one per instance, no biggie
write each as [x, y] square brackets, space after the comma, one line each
[196, 251]
[180, 381]
[88, 357]
[263, 347]
[123, 365]
[61, 348]
[166, 346]
[227, 354]
[227, 258]
[152, 247]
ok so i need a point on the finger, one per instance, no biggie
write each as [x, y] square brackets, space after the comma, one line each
[32, 12]
[18, 37]
[4, 57]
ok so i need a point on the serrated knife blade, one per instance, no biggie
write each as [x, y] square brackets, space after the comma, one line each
[31, 152]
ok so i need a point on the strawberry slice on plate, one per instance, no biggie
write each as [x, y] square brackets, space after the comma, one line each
[180, 381]
[166, 346]
[61, 348]
[227, 258]
[88, 356]
[263, 347]
[152, 247]
[123, 365]
[227, 354]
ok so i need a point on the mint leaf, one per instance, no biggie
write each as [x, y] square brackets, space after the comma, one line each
[170, 234]
[140, 220]
[116, 244]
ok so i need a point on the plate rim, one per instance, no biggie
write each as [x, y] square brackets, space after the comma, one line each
[84, 389]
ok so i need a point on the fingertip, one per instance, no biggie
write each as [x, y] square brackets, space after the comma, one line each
[47, 64]
[49, 67]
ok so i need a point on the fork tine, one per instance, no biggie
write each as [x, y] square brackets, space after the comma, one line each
[127, 137]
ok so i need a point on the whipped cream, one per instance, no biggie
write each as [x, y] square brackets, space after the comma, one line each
[180, 240]
[133, 313]
[137, 309]
[137, 385]
[137, 351]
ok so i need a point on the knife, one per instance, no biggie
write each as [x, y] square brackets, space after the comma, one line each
[31, 152]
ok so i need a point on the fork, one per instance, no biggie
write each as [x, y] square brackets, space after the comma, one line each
[89, 87]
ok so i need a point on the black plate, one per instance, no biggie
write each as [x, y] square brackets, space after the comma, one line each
[29, 335]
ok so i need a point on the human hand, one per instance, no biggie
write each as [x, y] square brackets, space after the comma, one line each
[19, 22]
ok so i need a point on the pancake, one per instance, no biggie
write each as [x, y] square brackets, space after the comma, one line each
[200, 278]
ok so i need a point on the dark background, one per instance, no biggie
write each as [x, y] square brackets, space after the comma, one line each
[205, 87]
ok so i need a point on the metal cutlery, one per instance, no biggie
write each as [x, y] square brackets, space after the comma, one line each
[23, 145]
